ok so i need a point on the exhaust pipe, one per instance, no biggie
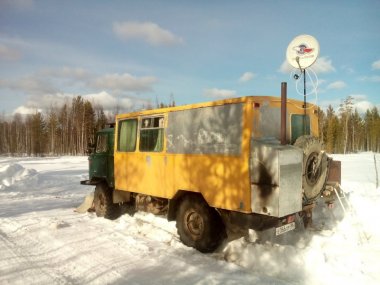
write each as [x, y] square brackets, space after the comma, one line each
[283, 112]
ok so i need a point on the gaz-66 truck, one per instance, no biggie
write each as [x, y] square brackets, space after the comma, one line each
[244, 163]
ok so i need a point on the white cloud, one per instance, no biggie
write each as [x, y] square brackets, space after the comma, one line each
[48, 81]
[286, 67]
[333, 102]
[108, 102]
[66, 73]
[376, 64]
[40, 102]
[247, 76]
[219, 93]
[51, 88]
[7, 53]
[146, 31]
[363, 106]
[359, 97]
[322, 65]
[337, 85]
[29, 84]
[361, 103]
[374, 78]
[348, 69]
[125, 82]
[23, 110]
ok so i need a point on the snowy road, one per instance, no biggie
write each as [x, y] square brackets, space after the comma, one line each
[43, 241]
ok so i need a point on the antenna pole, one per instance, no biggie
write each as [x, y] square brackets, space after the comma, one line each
[283, 112]
[304, 101]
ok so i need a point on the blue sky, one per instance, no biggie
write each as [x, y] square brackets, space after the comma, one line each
[128, 53]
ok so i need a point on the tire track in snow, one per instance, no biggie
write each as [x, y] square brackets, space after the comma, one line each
[56, 254]
[21, 266]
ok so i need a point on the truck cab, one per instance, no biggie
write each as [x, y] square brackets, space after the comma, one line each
[101, 159]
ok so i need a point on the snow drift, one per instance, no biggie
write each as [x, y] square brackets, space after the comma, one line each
[43, 241]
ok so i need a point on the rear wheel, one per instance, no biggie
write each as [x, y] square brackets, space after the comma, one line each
[198, 225]
[104, 206]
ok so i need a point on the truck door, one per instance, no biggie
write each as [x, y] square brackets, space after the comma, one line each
[153, 159]
[99, 159]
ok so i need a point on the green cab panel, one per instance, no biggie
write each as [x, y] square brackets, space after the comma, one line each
[101, 160]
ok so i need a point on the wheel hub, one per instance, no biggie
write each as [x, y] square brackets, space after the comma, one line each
[194, 224]
[313, 169]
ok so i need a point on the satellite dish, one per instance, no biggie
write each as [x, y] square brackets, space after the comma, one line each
[302, 51]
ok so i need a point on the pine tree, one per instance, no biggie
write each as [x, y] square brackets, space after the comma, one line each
[345, 110]
[38, 134]
[331, 129]
[63, 129]
[52, 131]
[322, 125]
[358, 132]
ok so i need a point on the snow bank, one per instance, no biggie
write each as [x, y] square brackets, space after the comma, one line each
[11, 173]
[43, 241]
[345, 251]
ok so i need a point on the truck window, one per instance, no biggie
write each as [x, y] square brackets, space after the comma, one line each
[127, 134]
[151, 134]
[101, 143]
[297, 128]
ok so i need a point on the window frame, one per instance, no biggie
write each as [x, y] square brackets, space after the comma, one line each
[160, 134]
[294, 131]
[104, 138]
[120, 122]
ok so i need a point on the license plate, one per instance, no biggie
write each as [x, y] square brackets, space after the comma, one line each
[285, 228]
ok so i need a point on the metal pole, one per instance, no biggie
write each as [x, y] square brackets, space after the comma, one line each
[283, 112]
[304, 102]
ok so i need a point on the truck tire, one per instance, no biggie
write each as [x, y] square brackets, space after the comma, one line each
[199, 225]
[104, 207]
[315, 164]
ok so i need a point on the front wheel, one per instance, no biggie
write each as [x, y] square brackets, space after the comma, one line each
[198, 225]
[104, 206]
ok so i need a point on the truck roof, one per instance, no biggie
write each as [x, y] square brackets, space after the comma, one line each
[106, 130]
[256, 99]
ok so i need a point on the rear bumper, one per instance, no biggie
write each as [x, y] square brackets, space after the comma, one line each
[89, 182]
[254, 221]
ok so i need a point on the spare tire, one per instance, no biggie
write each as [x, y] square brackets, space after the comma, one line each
[314, 170]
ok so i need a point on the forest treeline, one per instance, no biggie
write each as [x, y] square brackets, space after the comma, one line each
[66, 130]
[346, 131]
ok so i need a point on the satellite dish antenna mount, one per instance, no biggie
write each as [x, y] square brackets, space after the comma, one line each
[302, 52]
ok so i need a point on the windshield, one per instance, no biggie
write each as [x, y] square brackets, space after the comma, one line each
[101, 143]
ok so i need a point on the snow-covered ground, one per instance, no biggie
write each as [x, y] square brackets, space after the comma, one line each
[43, 241]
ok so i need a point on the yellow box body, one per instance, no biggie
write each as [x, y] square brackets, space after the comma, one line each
[222, 179]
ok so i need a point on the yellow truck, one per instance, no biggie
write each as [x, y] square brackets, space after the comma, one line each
[244, 163]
